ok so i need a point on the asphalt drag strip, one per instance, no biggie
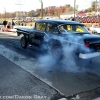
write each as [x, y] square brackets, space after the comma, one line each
[18, 84]
[66, 82]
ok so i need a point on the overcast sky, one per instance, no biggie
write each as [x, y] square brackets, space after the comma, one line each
[27, 5]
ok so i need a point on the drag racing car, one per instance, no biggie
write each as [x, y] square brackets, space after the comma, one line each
[61, 37]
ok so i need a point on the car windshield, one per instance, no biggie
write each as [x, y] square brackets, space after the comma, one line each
[73, 28]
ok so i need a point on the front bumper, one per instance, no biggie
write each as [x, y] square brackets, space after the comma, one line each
[89, 55]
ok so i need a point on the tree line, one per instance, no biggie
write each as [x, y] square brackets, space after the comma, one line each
[94, 7]
[48, 11]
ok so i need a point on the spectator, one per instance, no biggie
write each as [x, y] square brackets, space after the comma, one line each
[9, 25]
[73, 19]
[18, 23]
[13, 24]
[5, 23]
[22, 24]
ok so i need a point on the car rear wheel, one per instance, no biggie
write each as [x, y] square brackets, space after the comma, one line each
[23, 42]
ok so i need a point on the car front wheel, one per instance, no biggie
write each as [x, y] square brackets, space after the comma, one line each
[23, 42]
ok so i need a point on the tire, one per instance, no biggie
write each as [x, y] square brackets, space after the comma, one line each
[57, 51]
[23, 42]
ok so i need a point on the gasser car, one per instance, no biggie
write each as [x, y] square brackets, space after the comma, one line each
[60, 36]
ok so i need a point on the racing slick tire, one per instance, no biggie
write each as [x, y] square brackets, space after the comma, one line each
[23, 42]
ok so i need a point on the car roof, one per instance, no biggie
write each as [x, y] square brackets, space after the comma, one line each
[59, 21]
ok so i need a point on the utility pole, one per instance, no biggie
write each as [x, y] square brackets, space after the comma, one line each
[41, 9]
[96, 6]
[5, 13]
[74, 8]
[19, 3]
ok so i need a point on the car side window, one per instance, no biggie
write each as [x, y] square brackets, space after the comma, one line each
[79, 29]
[40, 26]
[68, 27]
[75, 28]
[52, 28]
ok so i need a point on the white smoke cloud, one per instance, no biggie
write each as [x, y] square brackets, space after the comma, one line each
[71, 43]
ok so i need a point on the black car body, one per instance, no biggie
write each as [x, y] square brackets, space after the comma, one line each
[54, 35]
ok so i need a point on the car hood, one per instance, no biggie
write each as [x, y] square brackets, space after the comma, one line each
[25, 29]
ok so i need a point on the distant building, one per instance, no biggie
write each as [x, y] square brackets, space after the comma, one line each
[80, 14]
[67, 15]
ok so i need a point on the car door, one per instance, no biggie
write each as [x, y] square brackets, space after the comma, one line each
[52, 29]
[37, 37]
